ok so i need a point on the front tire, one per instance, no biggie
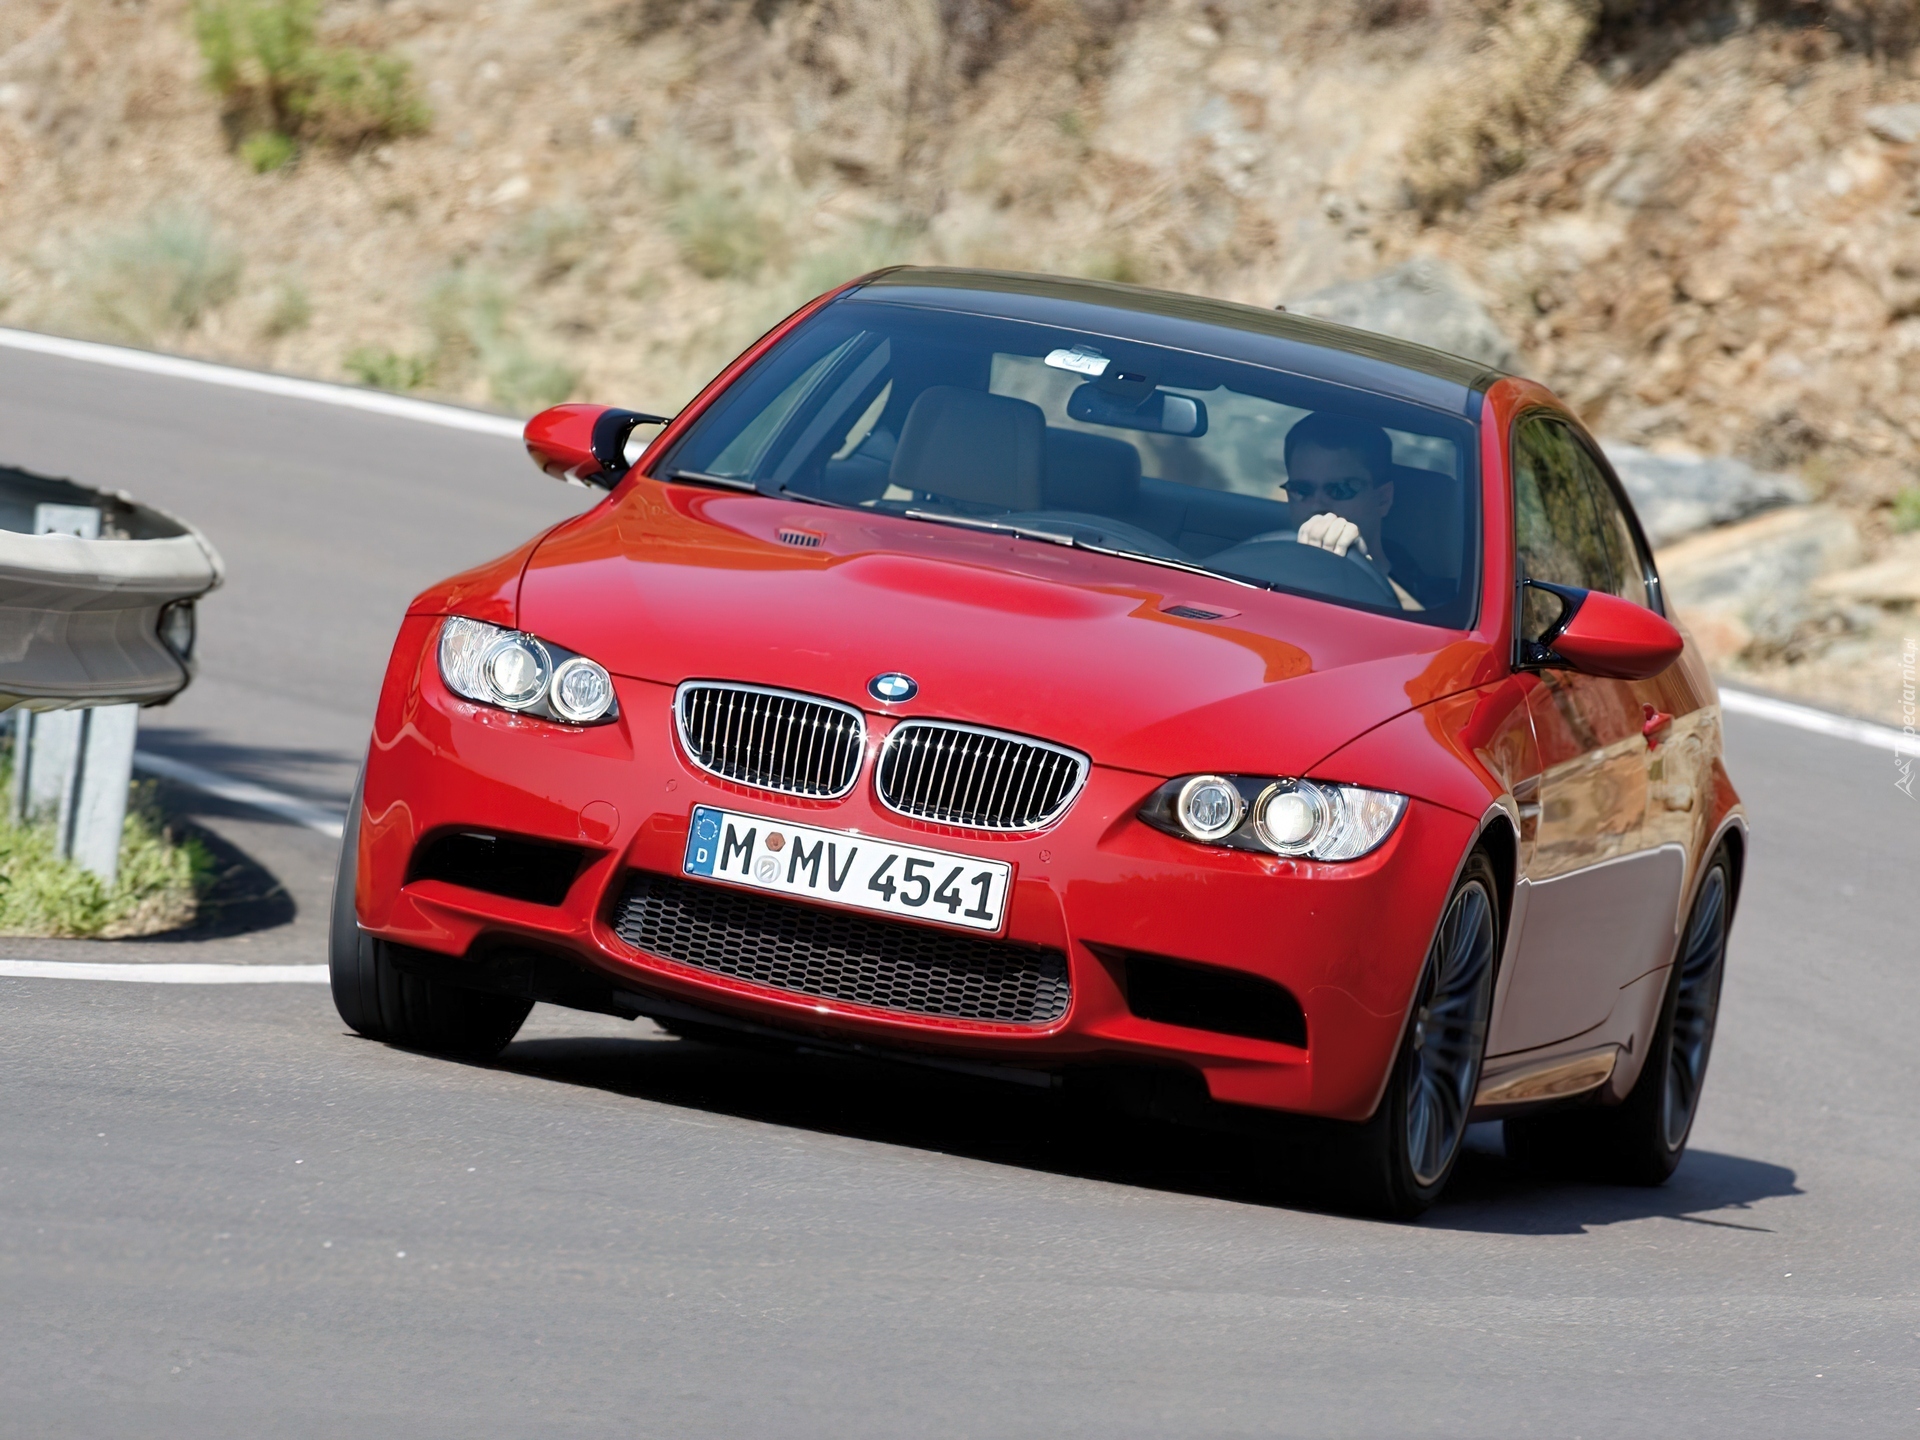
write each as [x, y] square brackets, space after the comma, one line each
[380, 1002]
[1640, 1141]
[1397, 1163]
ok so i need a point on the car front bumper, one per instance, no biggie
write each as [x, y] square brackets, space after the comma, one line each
[1347, 941]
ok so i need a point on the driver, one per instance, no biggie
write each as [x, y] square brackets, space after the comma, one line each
[1339, 489]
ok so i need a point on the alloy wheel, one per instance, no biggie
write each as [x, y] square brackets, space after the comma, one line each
[1449, 1028]
[1696, 1005]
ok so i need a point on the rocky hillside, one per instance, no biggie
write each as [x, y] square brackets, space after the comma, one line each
[1698, 219]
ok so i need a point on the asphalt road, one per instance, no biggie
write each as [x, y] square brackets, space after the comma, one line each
[221, 1215]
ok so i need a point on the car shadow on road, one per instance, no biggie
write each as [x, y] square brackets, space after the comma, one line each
[1490, 1193]
[1058, 1133]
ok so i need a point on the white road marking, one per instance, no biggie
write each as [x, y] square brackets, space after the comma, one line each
[168, 974]
[242, 792]
[377, 402]
[1818, 722]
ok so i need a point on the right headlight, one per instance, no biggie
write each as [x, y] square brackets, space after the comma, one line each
[523, 673]
[1311, 819]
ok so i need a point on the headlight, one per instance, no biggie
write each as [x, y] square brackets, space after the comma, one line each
[1307, 818]
[1209, 808]
[519, 672]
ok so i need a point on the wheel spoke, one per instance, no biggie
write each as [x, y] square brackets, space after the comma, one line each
[1696, 1003]
[1452, 1010]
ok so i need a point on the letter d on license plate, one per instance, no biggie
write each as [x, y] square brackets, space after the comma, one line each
[844, 869]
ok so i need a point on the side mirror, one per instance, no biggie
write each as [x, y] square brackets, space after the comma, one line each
[584, 444]
[1601, 634]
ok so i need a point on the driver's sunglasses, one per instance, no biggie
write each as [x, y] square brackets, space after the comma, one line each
[1333, 489]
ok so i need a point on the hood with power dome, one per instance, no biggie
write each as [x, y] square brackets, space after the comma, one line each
[1142, 667]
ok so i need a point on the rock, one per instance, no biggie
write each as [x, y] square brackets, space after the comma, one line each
[1893, 579]
[1425, 301]
[1895, 124]
[1677, 495]
[1747, 587]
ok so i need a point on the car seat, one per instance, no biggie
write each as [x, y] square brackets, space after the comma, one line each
[1093, 474]
[1427, 522]
[973, 448]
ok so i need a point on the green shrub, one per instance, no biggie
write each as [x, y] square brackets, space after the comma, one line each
[721, 233]
[292, 310]
[469, 313]
[161, 277]
[279, 85]
[1906, 509]
[387, 369]
[158, 888]
[266, 150]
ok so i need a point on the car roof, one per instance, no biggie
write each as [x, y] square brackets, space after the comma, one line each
[1299, 344]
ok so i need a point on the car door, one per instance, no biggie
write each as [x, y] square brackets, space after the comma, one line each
[1587, 927]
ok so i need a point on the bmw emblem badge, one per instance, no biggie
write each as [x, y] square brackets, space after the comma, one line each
[893, 687]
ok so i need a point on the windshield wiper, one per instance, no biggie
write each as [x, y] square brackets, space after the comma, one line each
[790, 493]
[1006, 527]
[1060, 537]
[719, 482]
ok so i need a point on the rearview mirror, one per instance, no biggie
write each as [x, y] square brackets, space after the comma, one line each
[584, 444]
[1160, 411]
[1603, 635]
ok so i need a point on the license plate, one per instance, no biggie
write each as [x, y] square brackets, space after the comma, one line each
[845, 869]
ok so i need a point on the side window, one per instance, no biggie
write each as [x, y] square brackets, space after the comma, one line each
[1623, 554]
[1557, 529]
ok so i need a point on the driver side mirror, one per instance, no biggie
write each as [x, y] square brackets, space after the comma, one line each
[1603, 635]
[584, 444]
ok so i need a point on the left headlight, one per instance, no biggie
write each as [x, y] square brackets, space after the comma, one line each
[523, 673]
[1310, 819]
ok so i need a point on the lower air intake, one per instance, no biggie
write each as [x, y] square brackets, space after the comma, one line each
[835, 955]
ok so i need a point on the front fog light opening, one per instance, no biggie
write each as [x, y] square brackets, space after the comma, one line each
[581, 692]
[1210, 807]
[515, 672]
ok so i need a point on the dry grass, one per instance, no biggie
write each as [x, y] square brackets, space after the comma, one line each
[156, 280]
[1487, 123]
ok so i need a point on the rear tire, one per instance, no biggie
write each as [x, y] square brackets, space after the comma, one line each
[1640, 1141]
[380, 1002]
[1397, 1163]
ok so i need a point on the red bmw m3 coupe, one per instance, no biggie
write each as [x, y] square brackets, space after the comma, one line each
[1072, 682]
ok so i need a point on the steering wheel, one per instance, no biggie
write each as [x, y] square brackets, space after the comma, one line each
[1285, 561]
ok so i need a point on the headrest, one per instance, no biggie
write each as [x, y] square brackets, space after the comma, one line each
[973, 447]
[1093, 473]
[1427, 520]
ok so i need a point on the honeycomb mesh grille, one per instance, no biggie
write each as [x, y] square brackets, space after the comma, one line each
[834, 955]
[960, 775]
[771, 738]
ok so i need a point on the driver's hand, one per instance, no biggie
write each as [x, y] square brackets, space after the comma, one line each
[1332, 532]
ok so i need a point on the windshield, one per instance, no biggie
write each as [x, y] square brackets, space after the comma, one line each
[1112, 443]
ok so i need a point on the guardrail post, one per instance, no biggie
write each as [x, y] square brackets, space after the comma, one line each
[96, 810]
[74, 766]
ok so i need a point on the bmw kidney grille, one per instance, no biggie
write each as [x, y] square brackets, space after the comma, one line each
[774, 739]
[981, 779]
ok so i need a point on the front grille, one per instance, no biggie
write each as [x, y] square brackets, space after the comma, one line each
[982, 779]
[774, 739]
[835, 955]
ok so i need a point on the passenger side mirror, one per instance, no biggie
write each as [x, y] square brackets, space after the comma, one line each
[1603, 635]
[1159, 411]
[584, 444]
